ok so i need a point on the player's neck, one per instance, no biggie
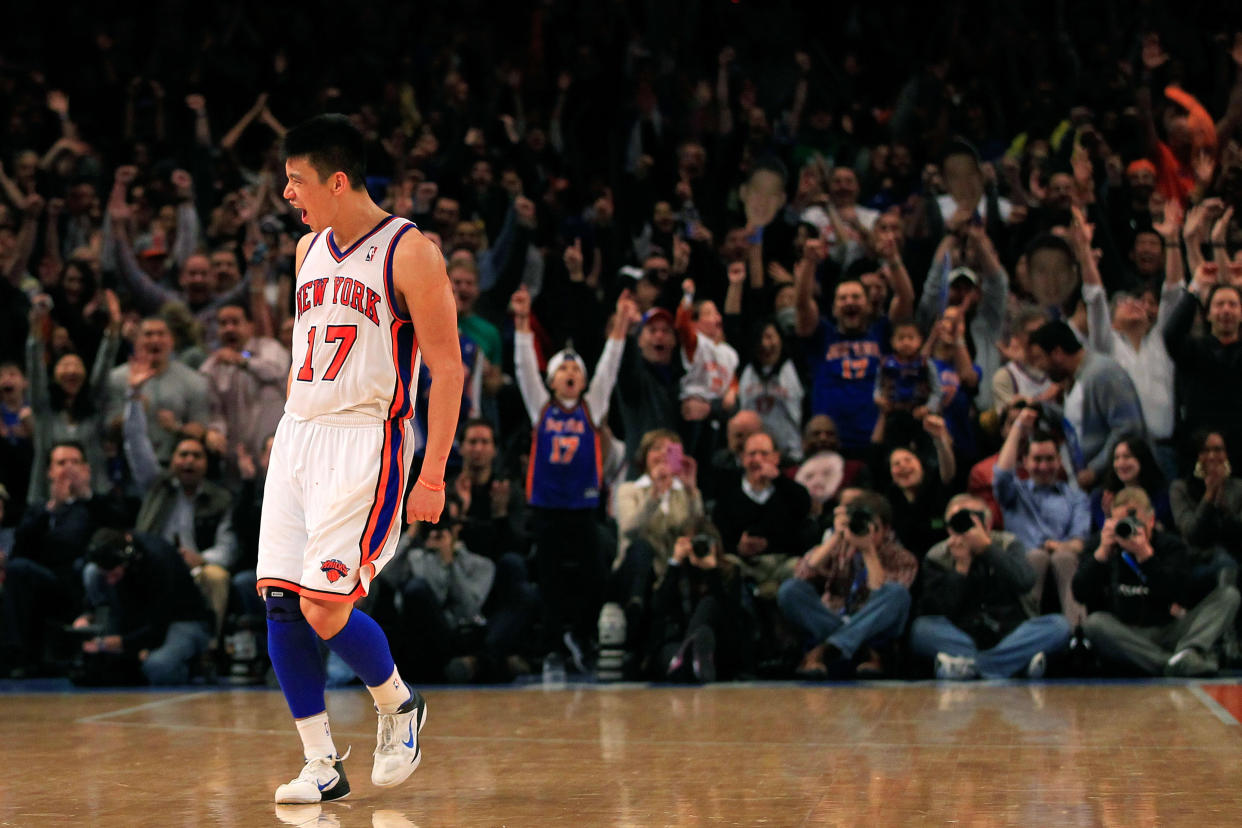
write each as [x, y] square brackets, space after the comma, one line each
[355, 219]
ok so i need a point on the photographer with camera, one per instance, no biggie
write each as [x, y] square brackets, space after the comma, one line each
[972, 620]
[852, 590]
[1050, 517]
[150, 613]
[697, 617]
[1134, 584]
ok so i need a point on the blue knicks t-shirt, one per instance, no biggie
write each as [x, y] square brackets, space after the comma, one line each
[843, 370]
[565, 462]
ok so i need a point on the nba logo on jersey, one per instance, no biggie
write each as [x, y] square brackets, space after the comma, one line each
[371, 253]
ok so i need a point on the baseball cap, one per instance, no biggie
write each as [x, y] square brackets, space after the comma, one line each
[658, 313]
[963, 273]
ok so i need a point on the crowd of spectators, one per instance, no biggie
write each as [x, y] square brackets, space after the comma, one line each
[908, 336]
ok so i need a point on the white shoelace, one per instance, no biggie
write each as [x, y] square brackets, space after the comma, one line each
[388, 733]
[313, 766]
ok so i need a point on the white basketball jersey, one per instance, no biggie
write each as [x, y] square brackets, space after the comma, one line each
[353, 351]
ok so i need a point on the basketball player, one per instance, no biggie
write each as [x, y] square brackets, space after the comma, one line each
[373, 301]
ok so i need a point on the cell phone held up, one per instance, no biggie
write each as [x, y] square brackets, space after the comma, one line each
[674, 455]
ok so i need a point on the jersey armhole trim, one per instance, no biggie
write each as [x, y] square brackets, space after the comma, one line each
[390, 289]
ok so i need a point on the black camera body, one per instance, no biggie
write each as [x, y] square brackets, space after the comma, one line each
[702, 545]
[1127, 528]
[963, 520]
[860, 518]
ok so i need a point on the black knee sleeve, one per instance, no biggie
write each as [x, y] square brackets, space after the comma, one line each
[283, 605]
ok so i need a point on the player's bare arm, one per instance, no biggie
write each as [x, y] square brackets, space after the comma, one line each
[423, 291]
[304, 244]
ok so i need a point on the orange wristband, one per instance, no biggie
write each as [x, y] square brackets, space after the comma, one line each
[427, 485]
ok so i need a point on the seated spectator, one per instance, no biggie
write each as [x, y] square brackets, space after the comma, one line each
[762, 520]
[853, 589]
[699, 628]
[726, 468]
[1133, 464]
[1102, 406]
[979, 481]
[175, 395]
[494, 507]
[769, 385]
[156, 618]
[182, 506]
[916, 497]
[971, 616]
[1133, 584]
[652, 513]
[72, 406]
[1051, 518]
[471, 614]
[1207, 513]
[50, 544]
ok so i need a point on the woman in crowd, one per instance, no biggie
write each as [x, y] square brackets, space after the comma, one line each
[769, 386]
[1207, 509]
[71, 406]
[1133, 464]
[652, 512]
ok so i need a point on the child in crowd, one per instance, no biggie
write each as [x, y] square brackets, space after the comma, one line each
[563, 476]
[907, 380]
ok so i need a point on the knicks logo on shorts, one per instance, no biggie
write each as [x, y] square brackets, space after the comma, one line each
[334, 569]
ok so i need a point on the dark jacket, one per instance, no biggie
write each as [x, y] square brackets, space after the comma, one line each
[1138, 600]
[155, 591]
[986, 602]
[212, 504]
[59, 538]
[646, 396]
[676, 600]
[1206, 372]
[781, 519]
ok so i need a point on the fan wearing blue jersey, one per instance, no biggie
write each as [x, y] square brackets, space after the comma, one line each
[844, 353]
[564, 476]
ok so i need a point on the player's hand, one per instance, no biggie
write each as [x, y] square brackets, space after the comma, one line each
[424, 504]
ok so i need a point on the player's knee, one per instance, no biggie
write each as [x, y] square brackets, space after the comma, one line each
[283, 605]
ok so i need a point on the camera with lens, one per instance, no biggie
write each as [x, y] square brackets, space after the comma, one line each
[702, 545]
[860, 518]
[1127, 527]
[963, 520]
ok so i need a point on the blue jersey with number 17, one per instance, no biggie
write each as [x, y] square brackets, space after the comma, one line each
[843, 370]
[565, 462]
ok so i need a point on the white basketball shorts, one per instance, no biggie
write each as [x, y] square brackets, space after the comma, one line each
[332, 503]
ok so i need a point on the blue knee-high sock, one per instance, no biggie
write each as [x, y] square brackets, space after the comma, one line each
[294, 649]
[363, 646]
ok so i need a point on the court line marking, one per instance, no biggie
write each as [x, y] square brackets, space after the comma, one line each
[98, 717]
[1212, 704]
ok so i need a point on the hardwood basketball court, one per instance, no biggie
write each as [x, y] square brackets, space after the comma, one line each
[983, 754]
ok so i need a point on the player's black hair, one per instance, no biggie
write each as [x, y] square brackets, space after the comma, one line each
[330, 143]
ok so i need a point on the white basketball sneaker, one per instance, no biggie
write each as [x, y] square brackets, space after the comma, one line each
[397, 752]
[322, 780]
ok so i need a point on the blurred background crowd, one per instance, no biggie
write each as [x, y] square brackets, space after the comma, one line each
[925, 321]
